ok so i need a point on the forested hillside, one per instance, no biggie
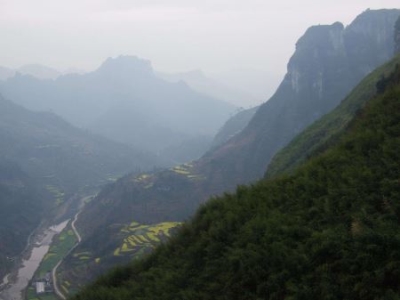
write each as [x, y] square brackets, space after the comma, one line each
[174, 195]
[318, 136]
[328, 231]
[22, 205]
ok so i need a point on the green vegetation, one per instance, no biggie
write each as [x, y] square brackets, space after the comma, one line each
[59, 248]
[21, 207]
[328, 231]
[57, 193]
[321, 73]
[143, 238]
[128, 242]
[188, 171]
[328, 129]
[31, 295]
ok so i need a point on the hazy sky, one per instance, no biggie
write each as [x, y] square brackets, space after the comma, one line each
[176, 35]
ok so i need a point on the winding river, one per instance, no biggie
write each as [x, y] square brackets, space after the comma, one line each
[14, 288]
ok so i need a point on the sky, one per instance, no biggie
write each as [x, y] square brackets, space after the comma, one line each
[175, 35]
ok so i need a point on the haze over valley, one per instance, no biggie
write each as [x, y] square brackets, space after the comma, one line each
[203, 150]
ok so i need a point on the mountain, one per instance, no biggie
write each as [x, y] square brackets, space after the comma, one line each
[51, 150]
[318, 74]
[39, 71]
[21, 208]
[328, 62]
[44, 163]
[125, 101]
[198, 81]
[328, 231]
[397, 36]
[6, 73]
[233, 126]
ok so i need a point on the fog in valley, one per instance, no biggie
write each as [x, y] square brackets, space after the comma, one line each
[118, 119]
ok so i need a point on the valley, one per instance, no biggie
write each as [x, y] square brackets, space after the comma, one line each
[127, 182]
[173, 195]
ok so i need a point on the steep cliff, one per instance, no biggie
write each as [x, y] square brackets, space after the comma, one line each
[328, 62]
[397, 36]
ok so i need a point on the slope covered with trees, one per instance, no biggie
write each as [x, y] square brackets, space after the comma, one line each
[22, 205]
[328, 231]
[173, 195]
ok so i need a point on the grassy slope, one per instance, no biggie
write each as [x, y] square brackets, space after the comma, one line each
[329, 231]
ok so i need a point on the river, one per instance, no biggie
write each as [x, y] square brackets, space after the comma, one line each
[28, 267]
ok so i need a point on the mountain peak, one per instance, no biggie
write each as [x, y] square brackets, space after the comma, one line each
[126, 65]
[321, 36]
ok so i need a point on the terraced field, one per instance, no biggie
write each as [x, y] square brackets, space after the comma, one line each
[132, 241]
[141, 238]
[188, 171]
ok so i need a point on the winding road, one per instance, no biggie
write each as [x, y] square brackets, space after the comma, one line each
[54, 271]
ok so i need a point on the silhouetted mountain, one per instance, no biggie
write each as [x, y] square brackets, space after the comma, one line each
[124, 101]
[327, 64]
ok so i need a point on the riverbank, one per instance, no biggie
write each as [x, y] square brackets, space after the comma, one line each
[61, 246]
[19, 278]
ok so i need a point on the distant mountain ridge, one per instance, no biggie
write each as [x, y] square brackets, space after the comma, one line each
[125, 101]
[51, 150]
[37, 71]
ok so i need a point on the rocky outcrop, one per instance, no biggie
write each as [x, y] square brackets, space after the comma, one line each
[328, 62]
[397, 36]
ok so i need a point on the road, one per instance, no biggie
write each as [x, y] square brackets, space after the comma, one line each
[54, 271]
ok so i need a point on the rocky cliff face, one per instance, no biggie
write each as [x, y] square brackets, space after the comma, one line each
[397, 36]
[328, 62]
